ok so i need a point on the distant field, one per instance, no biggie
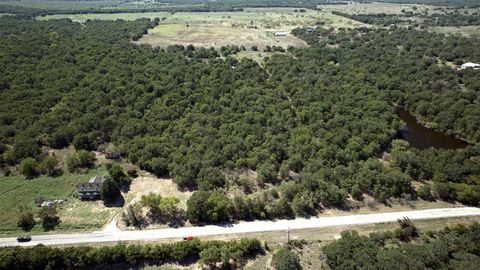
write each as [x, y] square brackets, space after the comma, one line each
[216, 36]
[252, 27]
[82, 4]
[375, 8]
[99, 16]
[63, 5]
[460, 30]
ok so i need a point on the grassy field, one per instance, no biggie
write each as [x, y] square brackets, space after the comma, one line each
[253, 26]
[375, 8]
[75, 215]
[216, 36]
[459, 30]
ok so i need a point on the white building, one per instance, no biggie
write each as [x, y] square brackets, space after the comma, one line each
[470, 65]
[281, 34]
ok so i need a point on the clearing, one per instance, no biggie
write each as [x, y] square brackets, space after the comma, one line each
[75, 215]
[250, 27]
[216, 36]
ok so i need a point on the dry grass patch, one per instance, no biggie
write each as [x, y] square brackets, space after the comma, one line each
[216, 36]
[144, 185]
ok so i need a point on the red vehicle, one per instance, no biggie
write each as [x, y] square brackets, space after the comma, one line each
[188, 238]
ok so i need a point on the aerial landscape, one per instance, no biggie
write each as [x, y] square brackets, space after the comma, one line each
[240, 134]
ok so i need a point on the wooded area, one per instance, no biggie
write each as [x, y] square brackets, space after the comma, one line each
[326, 113]
[451, 248]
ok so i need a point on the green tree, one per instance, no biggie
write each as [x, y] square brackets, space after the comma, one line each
[133, 216]
[29, 168]
[49, 165]
[72, 162]
[85, 158]
[49, 217]
[425, 193]
[207, 206]
[357, 193]
[210, 178]
[26, 220]
[285, 259]
[152, 202]
[159, 167]
[169, 207]
[118, 175]
[110, 191]
[407, 231]
[304, 203]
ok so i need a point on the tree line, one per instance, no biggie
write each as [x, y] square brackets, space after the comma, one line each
[228, 254]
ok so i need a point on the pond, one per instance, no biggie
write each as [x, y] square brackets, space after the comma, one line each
[421, 137]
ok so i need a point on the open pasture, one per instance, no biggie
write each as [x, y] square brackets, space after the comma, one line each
[376, 8]
[216, 36]
[252, 27]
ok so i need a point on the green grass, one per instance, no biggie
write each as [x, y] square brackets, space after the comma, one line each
[17, 191]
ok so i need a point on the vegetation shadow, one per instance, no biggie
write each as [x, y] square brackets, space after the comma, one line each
[118, 202]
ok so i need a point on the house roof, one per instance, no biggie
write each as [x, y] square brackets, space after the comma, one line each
[470, 64]
[97, 179]
[89, 187]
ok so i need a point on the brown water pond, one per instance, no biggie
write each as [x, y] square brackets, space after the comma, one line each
[421, 137]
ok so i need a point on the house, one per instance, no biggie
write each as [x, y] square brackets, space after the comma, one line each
[91, 190]
[470, 65]
[281, 34]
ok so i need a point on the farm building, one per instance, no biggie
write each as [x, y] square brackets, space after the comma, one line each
[91, 190]
[470, 65]
[281, 34]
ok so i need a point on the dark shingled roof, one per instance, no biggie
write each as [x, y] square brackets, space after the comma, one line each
[89, 187]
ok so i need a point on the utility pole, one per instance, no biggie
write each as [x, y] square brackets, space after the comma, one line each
[288, 235]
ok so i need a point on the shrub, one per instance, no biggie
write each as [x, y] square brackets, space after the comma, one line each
[285, 259]
[49, 217]
[29, 168]
[49, 166]
[425, 193]
[26, 220]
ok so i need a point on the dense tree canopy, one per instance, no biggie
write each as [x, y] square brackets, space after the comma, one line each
[324, 114]
[451, 248]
